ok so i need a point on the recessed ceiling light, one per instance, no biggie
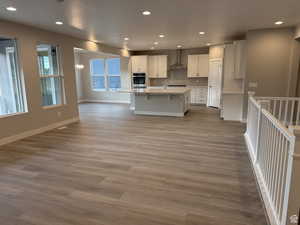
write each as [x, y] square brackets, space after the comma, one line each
[179, 46]
[279, 22]
[11, 8]
[146, 13]
[201, 32]
[208, 44]
[126, 39]
[59, 23]
[161, 35]
[156, 43]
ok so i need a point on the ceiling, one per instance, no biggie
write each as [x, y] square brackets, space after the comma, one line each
[110, 21]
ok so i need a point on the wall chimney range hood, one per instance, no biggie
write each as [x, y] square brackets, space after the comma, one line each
[178, 65]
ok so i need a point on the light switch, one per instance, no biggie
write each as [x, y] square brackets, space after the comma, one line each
[253, 84]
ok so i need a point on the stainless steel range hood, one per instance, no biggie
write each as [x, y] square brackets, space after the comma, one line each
[178, 65]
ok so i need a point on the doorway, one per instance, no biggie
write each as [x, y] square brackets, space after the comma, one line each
[215, 83]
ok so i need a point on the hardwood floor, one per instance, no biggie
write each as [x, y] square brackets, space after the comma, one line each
[114, 168]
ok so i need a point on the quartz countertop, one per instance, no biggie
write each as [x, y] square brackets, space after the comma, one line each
[159, 90]
[233, 93]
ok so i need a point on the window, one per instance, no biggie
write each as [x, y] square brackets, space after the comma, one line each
[12, 94]
[98, 74]
[50, 74]
[105, 74]
[113, 72]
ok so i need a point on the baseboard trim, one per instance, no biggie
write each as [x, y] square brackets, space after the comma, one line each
[29, 133]
[104, 101]
[158, 113]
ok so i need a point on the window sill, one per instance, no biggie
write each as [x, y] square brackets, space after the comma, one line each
[53, 106]
[11, 115]
[114, 90]
[106, 90]
[99, 90]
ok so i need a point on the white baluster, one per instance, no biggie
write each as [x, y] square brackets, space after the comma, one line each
[292, 112]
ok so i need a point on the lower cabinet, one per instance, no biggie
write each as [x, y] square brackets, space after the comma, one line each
[198, 94]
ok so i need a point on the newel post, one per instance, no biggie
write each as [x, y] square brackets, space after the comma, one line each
[263, 104]
[250, 94]
[292, 191]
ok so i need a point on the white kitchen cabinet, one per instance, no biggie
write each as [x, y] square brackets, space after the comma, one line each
[198, 94]
[230, 81]
[192, 70]
[198, 65]
[157, 66]
[163, 66]
[239, 59]
[152, 62]
[139, 64]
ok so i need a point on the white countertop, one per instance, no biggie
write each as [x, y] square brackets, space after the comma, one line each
[233, 93]
[159, 90]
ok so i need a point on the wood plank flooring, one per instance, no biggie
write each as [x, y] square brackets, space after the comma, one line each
[114, 168]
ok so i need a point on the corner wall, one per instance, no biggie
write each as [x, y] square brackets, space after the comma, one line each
[272, 62]
[88, 94]
[37, 116]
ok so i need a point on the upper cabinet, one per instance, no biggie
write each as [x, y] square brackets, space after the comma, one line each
[239, 59]
[198, 65]
[139, 64]
[216, 52]
[157, 66]
[192, 66]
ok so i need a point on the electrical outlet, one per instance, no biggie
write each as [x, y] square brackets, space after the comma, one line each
[294, 219]
[253, 84]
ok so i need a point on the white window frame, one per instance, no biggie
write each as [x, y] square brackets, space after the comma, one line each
[106, 76]
[53, 75]
[20, 77]
[98, 75]
[9, 50]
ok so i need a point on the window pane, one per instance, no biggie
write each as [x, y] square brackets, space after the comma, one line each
[47, 59]
[98, 67]
[51, 90]
[51, 85]
[114, 82]
[11, 85]
[113, 66]
[98, 82]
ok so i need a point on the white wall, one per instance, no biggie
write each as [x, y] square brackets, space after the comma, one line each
[79, 90]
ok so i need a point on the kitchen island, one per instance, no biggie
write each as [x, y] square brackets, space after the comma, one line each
[161, 101]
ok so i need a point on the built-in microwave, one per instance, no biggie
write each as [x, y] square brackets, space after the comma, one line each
[139, 80]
